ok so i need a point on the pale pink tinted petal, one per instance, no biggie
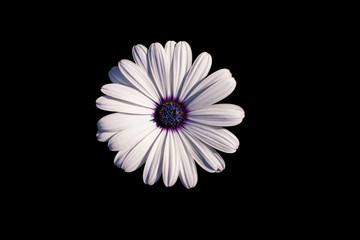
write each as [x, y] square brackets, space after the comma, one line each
[182, 60]
[120, 121]
[201, 86]
[127, 94]
[214, 93]
[216, 137]
[218, 115]
[207, 157]
[153, 165]
[116, 77]
[197, 73]
[159, 67]
[104, 136]
[130, 136]
[139, 53]
[188, 173]
[169, 50]
[139, 78]
[171, 161]
[134, 157]
[119, 158]
[114, 105]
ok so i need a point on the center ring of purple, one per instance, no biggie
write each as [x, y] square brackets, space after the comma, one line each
[170, 114]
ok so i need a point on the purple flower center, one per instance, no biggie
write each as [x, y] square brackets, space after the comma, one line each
[170, 114]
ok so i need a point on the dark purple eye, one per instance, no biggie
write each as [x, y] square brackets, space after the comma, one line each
[170, 114]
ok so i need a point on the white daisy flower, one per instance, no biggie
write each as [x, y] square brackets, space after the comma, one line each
[165, 114]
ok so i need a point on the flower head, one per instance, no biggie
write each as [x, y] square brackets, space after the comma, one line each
[165, 114]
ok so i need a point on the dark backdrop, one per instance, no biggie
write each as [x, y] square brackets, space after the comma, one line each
[258, 58]
[65, 180]
[265, 52]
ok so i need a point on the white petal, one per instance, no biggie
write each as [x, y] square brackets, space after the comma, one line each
[132, 159]
[139, 78]
[129, 137]
[214, 93]
[169, 50]
[188, 173]
[153, 165]
[128, 94]
[219, 75]
[104, 136]
[218, 115]
[116, 77]
[114, 105]
[198, 71]
[182, 60]
[207, 157]
[159, 68]
[216, 137]
[120, 121]
[139, 53]
[119, 158]
[171, 161]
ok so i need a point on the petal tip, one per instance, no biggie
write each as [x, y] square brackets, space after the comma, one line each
[98, 102]
[155, 44]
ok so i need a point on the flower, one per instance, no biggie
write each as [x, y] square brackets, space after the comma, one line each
[165, 114]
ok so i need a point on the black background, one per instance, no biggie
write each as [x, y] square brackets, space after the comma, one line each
[257, 52]
[267, 52]
[259, 56]
[223, 57]
[64, 178]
